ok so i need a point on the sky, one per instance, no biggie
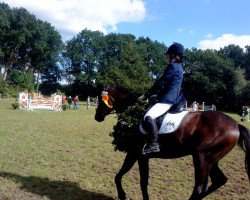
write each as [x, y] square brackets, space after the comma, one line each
[202, 24]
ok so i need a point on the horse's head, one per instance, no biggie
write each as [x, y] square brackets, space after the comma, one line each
[113, 99]
[105, 106]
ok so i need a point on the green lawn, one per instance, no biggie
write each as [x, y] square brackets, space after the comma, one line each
[69, 156]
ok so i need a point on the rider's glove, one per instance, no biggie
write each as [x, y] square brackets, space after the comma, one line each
[141, 98]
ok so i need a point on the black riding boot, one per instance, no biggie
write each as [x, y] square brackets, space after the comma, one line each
[152, 129]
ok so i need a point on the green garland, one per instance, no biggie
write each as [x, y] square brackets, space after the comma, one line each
[126, 132]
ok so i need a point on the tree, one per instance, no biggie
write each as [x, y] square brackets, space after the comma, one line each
[153, 54]
[4, 24]
[16, 33]
[235, 53]
[46, 44]
[24, 81]
[123, 65]
[82, 56]
[247, 62]
[27, 44]
[211, 78]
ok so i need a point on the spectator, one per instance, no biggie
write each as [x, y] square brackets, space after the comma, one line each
[96, 101]
[76, 102]
[88, 102]
[195, 106]
[64, 99]
[69, 100]
[213, 107]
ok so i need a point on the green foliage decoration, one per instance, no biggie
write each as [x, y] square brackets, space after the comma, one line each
[126, 132]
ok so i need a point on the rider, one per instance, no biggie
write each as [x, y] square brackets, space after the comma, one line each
[168, 91]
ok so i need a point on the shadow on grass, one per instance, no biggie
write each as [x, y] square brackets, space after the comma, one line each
[54, 190]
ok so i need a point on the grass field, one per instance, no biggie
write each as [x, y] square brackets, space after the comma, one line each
[69, 156]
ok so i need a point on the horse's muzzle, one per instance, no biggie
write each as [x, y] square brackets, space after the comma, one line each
[99, 118]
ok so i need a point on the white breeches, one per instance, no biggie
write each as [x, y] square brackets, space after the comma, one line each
[157, 110]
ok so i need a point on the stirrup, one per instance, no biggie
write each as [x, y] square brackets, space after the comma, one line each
[152, 150]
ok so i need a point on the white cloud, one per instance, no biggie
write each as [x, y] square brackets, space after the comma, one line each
[180, 30]
[225, 40]
[209, 35]
[191, 31]
[69, 17]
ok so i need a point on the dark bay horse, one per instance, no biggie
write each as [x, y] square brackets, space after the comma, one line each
[206, 135]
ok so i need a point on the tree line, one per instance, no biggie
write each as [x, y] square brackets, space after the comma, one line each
[33, 57]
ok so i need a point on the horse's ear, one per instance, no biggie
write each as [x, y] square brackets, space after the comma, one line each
[100, 87]
[106, 87]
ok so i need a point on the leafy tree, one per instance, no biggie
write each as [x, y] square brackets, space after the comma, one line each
[123, 65]
[245, 98]
[3, 87]
[22, 80]
[27, 44]
[239, 85]
[82, 56]
[247, 62]
[153, 56]
[18, 31]
[46, 44]
[4, 24]
[235, 53]
[211, 78]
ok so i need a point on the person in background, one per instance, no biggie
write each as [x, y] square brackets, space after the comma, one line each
[195, 106]
[76, 100]
[88, 102]
[64, 99]
[96, 101]
[69, 100]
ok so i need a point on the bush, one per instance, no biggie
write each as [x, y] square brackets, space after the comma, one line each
[64, 107]
[15, 105]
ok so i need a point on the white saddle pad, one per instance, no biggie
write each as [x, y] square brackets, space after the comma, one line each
[169, 124]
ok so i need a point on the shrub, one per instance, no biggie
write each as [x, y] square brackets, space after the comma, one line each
[15, 105]
[64, 107]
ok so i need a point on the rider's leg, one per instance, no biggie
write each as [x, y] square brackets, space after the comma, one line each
[152, 129]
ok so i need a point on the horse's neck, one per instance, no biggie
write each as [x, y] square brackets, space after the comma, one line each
[122, 100]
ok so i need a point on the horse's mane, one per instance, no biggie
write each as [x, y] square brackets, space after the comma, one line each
[126, 91]
[122, 89]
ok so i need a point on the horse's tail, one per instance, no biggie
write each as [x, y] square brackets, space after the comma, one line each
[244, 143]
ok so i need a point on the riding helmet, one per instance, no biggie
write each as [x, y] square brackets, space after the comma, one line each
[176, 49]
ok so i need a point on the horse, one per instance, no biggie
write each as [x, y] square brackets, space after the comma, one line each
[205, 135]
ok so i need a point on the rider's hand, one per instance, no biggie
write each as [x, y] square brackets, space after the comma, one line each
[141, 98]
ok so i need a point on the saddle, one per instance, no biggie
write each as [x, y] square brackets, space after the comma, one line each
[169, 121]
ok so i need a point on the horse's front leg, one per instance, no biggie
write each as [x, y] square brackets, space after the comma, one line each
[128, 163]
[143, 162]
